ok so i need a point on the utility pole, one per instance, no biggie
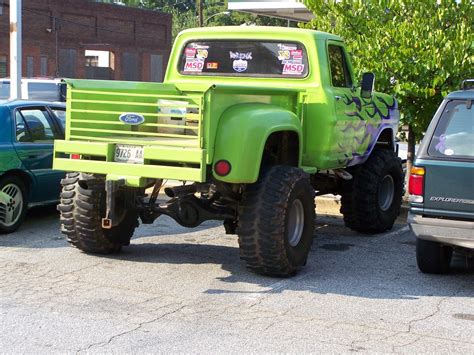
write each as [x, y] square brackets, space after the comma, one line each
[199, 9]
[15, 49]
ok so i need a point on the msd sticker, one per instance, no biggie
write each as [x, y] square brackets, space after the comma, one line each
[190, 52]
[293, 69]
[240, 65]
[194, 65]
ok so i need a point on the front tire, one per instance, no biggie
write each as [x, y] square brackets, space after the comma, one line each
[433, 257]
[13, 203]
[371, 201]
[82, 208]
[276, 222]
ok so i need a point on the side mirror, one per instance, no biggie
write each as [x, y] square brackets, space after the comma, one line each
[367, 85]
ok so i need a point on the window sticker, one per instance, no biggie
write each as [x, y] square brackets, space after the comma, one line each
[297, 54]
[194, 65]
[240, 65]
[287, 47]
[202, 53]
[291, 61]
[293, 69]
[239, 55]
[212, 65]
[190, 52]
[283, 55]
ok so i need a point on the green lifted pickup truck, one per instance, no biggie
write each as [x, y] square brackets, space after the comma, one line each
[257, 121]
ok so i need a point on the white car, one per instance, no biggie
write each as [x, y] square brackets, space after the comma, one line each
[36, 89]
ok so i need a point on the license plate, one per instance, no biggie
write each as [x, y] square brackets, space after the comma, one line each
[132, 154]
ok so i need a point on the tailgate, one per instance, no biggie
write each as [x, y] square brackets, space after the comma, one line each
[158, 118]
[449, 188]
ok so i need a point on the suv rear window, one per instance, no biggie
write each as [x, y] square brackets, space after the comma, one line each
[454, 134]
[244, 58]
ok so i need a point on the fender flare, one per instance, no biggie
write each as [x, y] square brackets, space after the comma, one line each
[241, 136]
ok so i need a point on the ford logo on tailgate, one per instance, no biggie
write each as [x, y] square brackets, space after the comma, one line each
[131, 118]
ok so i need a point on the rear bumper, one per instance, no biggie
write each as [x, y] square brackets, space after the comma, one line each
[446, 231]
[161, 162]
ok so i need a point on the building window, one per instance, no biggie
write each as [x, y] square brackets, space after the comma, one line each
[3, 66]
[99, 64]
[30, 62]
[43, 65]
[156, 67]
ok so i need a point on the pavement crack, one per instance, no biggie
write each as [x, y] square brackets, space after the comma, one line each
[138, 327]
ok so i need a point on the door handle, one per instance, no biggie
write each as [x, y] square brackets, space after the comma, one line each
[337, 97]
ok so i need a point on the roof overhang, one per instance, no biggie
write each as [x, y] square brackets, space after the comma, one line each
[293, 10]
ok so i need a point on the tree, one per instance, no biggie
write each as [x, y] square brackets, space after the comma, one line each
[185, 13]
[419, 50]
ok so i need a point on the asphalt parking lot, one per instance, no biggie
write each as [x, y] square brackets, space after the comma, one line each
[180, 290]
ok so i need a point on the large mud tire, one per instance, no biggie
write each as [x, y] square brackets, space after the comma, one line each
[82, 208]
[371, 201]
[276, 222]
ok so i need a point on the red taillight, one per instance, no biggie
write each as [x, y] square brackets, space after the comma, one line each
[75, 156]
[222, 167]
[416, 184]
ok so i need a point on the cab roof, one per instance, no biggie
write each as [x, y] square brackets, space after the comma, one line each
[461, 95]
[270, 32]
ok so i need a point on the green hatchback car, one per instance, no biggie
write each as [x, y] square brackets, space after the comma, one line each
[441, 184]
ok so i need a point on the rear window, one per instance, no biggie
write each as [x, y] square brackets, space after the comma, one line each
[4, 90]
[43, 91]
[244, 58]
[454, 134]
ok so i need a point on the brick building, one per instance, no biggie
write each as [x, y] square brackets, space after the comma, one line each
[85, 39]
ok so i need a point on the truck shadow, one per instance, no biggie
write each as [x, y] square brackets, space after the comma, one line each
[379, 267]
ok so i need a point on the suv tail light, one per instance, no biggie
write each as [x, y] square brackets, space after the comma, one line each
[416, 184]
[76, 156]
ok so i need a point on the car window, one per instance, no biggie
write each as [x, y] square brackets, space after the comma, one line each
[61, 115]
[43, 91]
[4, 90]
[340, 75]
[38, 124]
[454, 134]
[22, 132]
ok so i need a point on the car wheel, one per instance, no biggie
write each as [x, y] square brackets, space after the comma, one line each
[433, 257]
[13, 203]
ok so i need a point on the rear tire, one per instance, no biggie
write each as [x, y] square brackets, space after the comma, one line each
[371, 201]
[82, 208]
[13, 205]
[433, 257]
[276, 222]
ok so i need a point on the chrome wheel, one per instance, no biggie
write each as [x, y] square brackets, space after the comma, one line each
[386, 192]
[11, 204]
[295, 223]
